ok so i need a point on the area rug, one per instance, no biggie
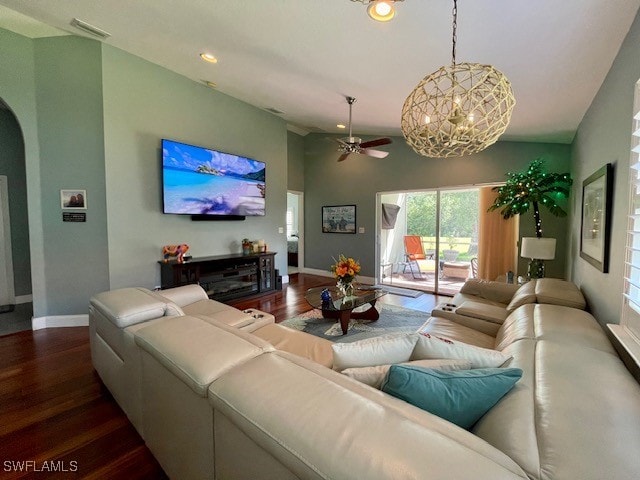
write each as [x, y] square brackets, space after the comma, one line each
[393, 319]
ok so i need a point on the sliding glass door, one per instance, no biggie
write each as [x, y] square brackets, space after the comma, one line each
[434, 244]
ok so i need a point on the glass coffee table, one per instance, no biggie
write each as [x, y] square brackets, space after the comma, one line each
[341, 307]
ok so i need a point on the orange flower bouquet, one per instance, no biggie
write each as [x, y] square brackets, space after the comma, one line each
[345, 270]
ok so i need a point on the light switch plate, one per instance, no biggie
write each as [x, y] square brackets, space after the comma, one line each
[360, 229]
[280, 229]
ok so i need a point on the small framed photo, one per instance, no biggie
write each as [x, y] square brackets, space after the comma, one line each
[597, 193]
[339, 219]
[73, 199]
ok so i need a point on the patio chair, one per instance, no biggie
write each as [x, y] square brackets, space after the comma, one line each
[419, 263]
[474, 267]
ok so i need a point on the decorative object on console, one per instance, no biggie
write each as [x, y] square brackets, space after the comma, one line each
[345, 270]
[355, 145]
[537, 250]
[532, 188]
[380, 10]
[247, 246]
[177, 251]
[459, 109]
[597, 193]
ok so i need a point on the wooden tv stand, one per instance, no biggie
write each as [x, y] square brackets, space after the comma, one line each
[224, 277]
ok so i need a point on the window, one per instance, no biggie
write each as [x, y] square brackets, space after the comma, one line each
[628, 332]
[289, 221]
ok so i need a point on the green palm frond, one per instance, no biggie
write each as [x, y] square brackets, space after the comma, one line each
[534, 186]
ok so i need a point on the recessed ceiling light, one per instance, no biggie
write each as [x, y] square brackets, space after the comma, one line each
[341, 126]
[208, 57]
[382, 10]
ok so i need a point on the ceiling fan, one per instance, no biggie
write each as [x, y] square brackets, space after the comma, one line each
[356, 146]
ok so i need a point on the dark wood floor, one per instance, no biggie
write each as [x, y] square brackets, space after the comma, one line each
[55, 412]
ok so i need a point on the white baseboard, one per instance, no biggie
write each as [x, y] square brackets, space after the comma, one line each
[56, 321]
[285, 279]
[20, 299]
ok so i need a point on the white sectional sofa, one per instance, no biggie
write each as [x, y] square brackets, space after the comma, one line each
[215, 401]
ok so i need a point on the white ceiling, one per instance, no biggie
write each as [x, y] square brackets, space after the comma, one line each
[303, 56]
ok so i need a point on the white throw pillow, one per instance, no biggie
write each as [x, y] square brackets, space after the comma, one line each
[384, 350]
[374, 376]
[431, 346]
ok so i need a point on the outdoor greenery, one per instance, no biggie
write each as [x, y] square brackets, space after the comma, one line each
[532, 188]
[459, 214]
[458, 220]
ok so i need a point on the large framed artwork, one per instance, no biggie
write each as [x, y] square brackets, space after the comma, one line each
[339, 219]
[597, 194]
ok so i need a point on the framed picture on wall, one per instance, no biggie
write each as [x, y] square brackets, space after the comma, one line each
[597, 194]
[339, 219]
[73, 199]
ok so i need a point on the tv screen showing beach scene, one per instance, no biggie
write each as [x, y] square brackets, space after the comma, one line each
[201, 181]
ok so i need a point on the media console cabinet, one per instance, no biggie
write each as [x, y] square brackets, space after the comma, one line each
[224, 277]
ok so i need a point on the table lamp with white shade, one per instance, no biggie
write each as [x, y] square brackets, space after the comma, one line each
[538, 250]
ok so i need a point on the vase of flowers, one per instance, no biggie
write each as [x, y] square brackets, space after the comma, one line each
[345, 270]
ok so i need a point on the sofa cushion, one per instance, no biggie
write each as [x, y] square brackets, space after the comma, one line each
[518, 325]
[128, 306]
[490, 313]
[446, 328]
[461, 397]
[185, 295]
[525, 294]
[374, 376]
[297, 342]
[196, 351]
[383, 350]
[431, 346]
[559, 292]
[219, 311]
[495, 291]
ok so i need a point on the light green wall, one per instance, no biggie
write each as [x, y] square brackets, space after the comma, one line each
[604, 136]
[144, 103]
[92, 118]
[359, 178]
[295, 162]
[17, 89]
[12, 164]
[70, 133]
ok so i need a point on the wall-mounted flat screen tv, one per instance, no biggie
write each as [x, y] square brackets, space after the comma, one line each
[201, 181]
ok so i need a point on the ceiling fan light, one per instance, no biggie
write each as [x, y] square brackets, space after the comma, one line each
[382, 10]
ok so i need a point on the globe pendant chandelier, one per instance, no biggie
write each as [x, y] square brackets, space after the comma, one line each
[459, 109]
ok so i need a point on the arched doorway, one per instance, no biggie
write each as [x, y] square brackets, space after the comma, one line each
[16, 302]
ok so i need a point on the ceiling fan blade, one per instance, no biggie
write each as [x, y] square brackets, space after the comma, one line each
[343, 156]
[376, 143]
[374, 153]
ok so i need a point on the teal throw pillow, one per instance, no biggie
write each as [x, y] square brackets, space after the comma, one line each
[461, 397]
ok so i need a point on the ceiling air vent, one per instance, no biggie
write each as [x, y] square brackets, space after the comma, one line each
[90, 29]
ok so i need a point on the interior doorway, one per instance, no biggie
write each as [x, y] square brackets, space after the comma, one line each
[15, 267]
[295, 231]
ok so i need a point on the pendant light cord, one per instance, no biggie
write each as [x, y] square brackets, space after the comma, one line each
[455, 27]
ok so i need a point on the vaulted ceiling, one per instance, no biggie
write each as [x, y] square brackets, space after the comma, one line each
[302, 57]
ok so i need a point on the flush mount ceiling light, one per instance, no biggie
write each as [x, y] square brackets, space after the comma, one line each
[208, 57]
[459, 109]
[380, 10]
